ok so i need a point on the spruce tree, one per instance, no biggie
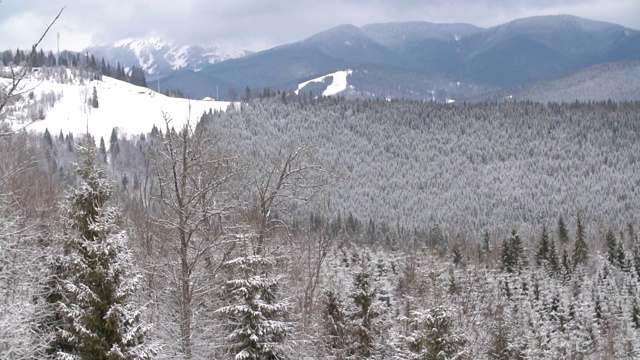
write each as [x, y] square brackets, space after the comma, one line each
[254, 314]
[636, 256]
[553, 262]
[542, 255]
[94, 98]
[114, 146]
[581, 249]
[513, 257]
[563, 233]
[567, 268]
[47, 138]
[486, 243]
[612, 247]
[433, 336]
[103, 150]
[456, 251]
[335, 325]
[98, 318]
[366, 312]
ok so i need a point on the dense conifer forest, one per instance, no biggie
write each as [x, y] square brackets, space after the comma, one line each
[292, 227]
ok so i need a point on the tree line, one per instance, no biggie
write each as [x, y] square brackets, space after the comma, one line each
[74, 60]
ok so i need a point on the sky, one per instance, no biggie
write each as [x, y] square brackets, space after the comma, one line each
[261, 24]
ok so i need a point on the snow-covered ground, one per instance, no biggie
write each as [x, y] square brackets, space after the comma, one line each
[131, 109]
[338, 84]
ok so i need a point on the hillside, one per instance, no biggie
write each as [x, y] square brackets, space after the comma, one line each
[616, 81]
[468, 167]
[131, 109]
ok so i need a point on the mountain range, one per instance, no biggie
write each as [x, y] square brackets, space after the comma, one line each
[159, 58]
[414, 60]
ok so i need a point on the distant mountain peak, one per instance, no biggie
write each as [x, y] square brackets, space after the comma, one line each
[143, 43]
[158, 57]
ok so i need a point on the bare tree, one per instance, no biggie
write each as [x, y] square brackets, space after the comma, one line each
[189, 208]
[289, 178]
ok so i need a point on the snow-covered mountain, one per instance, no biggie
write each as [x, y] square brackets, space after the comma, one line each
[65, 107]
[421, 60]
[158, 57]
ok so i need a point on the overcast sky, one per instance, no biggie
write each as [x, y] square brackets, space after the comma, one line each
[261, 24]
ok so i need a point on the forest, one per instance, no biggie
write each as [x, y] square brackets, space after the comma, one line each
[301, 227]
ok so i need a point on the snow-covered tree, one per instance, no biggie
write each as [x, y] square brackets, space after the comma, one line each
[364, 319]
[335, 325]
[513, 257]
[97, 280]
[254, 312]
[580, 249]
[433, 336]
[563, 233]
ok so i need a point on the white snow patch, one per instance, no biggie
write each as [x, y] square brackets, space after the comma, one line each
[131, 109]
[338, 84]
[146, 65]
[123, 42]
[178, 57]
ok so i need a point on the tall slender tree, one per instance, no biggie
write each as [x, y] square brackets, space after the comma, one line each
[580, 249]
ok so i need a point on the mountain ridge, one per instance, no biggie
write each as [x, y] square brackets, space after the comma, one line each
[158, 57]
[516, 53]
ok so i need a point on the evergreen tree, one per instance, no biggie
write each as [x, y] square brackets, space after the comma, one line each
[335, 325]
[635, 313]
[513, 256]
[563, 233]
[365, 316]
[486, 242]
[612, 247]
[620, 254]
[94, 98]
[553, 262]
[542, 255]
[433, 336]
[48, 316]
[98, 316]
[566, 264]
[255, 316]
[580, 249]
[114, 146]
[47, 137]
[456, 250]
[103, 150]
[636, 254]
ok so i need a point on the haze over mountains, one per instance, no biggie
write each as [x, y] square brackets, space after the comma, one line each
[414, 60]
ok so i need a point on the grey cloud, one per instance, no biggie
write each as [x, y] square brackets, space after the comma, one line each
[256, 24]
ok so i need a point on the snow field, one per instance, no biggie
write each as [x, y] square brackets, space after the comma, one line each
[131, 109]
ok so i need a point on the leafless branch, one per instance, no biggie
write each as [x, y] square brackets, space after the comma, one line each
[12, 90]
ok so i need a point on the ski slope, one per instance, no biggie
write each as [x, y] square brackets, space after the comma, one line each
[338, 84]
[131, 109]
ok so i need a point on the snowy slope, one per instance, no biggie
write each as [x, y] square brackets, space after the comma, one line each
[131, 109]
[338, 84]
